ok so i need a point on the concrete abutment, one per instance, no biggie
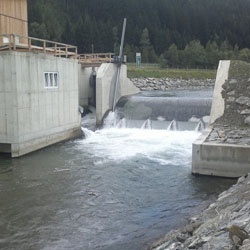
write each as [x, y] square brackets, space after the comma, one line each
[224, 149]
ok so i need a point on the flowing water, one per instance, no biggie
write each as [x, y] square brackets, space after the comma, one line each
[173, 110]
[117, 188]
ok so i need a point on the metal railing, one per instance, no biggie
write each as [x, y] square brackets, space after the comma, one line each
[20, 43]
[96, 58]
[13, 42]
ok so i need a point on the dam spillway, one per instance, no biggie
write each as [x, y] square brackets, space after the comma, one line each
[161, 108]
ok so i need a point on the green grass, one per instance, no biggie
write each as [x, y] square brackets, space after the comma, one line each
[156, 72]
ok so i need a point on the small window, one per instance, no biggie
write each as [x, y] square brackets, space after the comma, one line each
[55, 80]
[6, 39]
[46, 80]
[51, 79]
[17, 40]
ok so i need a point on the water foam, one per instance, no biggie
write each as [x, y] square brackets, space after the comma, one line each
[160, 146]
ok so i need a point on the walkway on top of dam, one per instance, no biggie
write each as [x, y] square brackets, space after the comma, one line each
[19, 43]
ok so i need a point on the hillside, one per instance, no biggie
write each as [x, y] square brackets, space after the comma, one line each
[153, 26]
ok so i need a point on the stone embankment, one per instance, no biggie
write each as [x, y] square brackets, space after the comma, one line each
[224, 225]
[233, 127]
[148, 84]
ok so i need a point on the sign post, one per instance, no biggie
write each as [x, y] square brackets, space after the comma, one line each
[138, 60]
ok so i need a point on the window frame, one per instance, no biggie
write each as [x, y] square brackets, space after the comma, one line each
[51, 80]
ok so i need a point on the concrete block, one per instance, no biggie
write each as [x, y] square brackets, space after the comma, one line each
[33, 116]
[218, 159]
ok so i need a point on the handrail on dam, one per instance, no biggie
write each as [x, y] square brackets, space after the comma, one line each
[95, 59]
[20, 43]
[14, 42]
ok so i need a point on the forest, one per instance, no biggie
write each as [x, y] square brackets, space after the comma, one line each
[174, 33]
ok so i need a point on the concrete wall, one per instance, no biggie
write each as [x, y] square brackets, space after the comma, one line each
[85, 89]
[225, 160]
[32, 116]
[105, 84]
[218, 105]
[224, 150]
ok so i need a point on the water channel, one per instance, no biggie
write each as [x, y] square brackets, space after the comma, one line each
[116, 188]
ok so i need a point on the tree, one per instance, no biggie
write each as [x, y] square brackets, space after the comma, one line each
[212, 54]
[244, 55]
[195, 54]
[38, 30]
[145, 46]
[218, 25]
[170, 58]
[148, 53]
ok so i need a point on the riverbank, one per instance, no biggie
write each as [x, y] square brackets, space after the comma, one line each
[225, 224]
[148, 84]
[157, 72]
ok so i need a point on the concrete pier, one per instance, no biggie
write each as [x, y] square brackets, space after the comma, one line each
[220, 159]
[37, 110]
[224, 149]
[105, 84]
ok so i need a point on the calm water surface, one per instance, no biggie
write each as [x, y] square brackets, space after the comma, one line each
[117, 189]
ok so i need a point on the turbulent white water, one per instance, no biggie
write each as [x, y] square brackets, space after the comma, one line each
[162, 146]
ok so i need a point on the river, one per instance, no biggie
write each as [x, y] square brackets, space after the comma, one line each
[115, 189]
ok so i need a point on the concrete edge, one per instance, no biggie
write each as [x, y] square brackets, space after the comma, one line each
[219, 159]
[218, 105]
[24, 148]
[202, 138]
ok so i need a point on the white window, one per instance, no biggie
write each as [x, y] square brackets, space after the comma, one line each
[51, 79]
[17, 40]
[6, 39]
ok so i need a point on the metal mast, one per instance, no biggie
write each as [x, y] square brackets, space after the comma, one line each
[120, 59]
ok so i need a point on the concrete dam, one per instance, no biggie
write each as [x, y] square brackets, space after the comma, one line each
[128, 179]
[188, 109]
[116, 188]
[123, 181]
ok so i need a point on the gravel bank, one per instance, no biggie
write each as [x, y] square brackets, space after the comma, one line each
[147, 84]
[224, 225]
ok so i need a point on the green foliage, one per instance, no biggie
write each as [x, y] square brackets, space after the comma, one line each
[38, 30]
[196, 56]
[185, 33]
[148, 53]
[170, 73]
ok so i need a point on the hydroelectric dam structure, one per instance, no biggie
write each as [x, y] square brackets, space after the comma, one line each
[43, 83]
[45, 86]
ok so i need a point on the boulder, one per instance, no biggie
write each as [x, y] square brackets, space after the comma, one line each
[247, 121]
[243, 100]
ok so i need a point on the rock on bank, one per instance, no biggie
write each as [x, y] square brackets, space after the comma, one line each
[147, 84]
[224, 225]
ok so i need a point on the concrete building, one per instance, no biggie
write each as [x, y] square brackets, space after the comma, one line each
[42, 83]
[38, 88]
[38, 101]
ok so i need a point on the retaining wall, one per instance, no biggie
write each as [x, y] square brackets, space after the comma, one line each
[224, 150]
